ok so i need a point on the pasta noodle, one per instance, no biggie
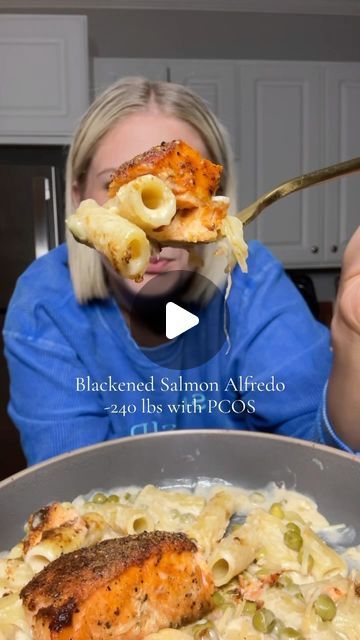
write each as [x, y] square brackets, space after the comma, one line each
[211, 524]
[169, 634]
[230, 557]
[233, 230]
[132, 521]
[326, 562]
[146, 201]
[123, 243]
[272, 569]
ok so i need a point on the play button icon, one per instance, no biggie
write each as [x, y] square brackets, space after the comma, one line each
[178, 320]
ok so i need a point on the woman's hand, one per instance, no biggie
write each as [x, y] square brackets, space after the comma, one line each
[347, 309]
[343, 401]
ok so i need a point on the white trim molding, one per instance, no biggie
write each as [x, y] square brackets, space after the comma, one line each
[322, 7]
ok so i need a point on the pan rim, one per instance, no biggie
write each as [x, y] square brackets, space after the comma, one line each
[307, 444]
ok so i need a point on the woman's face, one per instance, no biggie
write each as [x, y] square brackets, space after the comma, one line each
[130, 136]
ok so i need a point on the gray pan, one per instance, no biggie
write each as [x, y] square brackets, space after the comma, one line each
[331, 477]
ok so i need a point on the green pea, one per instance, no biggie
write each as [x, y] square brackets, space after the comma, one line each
[249, 608]
[325, 607]
[264, 620]
[217, 599]
[187, 518]
[278, 628]
[285, 581]
[99, 498]
[293, 539]
[291, 526]
[113, 498]
[290, 632]
[277, 510]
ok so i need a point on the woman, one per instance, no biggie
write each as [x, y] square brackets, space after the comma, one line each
[77, 375]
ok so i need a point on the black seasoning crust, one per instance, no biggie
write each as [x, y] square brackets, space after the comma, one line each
[40, 518]
[97, 565]
[60, 617]
[149, 157]
[177, 164]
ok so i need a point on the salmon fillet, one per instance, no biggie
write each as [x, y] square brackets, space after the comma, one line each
[193, 180]
[199, 224]
[122, 589]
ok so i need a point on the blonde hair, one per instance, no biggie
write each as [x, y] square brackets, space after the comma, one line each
[125, 97]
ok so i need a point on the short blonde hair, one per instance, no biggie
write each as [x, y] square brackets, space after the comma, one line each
[125, 97]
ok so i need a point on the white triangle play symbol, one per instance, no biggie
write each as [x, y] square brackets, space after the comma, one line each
[178, 320]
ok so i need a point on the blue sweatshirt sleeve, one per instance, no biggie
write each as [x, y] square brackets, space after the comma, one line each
[51, 417]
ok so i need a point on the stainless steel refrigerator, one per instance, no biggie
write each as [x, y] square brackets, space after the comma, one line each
[31, 223]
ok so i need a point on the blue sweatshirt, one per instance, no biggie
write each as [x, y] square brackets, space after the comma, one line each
[78, 377]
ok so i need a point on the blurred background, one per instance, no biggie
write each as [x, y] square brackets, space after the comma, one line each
[282, 75]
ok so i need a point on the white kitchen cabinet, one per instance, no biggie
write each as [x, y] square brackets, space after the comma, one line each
[213, 80]
[295, 117]
[44, 83]
[279, 107]
[342, 142]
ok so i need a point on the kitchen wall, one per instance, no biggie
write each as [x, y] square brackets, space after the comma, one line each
[224, 35]
[213, 34]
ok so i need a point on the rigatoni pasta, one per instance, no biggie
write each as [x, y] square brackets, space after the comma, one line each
[231, 556]
[131, 520]
[123, 243]
[146, 201]
[211, 524]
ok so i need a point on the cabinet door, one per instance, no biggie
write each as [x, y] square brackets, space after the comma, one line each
[342, 196]
[43, 77]
[279, 111]
[108, 70]
[213, 80]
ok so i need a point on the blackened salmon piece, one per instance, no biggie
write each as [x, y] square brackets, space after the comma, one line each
[122, 589]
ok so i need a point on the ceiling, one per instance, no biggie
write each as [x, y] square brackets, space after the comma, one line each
[323, 7]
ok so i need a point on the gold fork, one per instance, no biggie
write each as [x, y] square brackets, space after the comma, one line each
[296, 184]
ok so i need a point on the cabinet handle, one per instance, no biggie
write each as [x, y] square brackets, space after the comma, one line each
[334, 248]
[314, 249]
[41, 191]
